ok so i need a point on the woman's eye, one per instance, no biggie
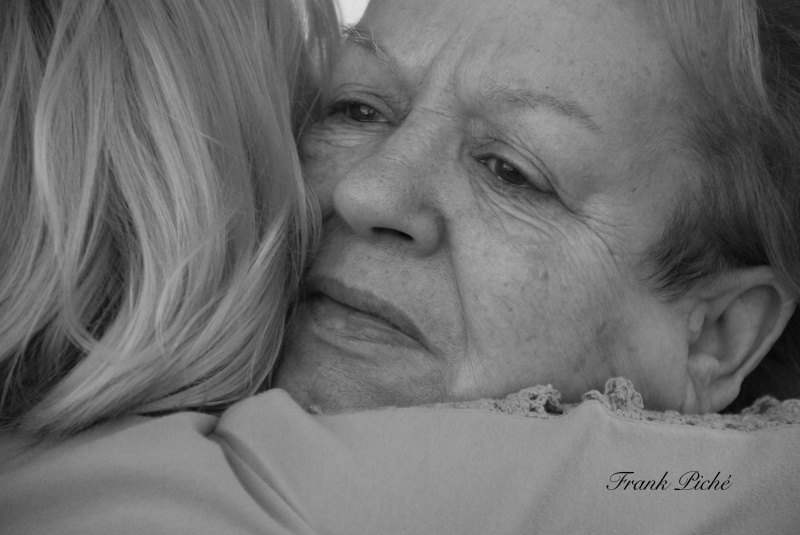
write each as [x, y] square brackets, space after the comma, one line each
[359, 112]
[506, 172]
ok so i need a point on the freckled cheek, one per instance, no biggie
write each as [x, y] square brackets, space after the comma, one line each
[506, 300]
[548, 300]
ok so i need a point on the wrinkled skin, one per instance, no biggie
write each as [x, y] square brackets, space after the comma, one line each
[491, 179]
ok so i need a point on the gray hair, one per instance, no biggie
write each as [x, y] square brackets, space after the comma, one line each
[743, 56]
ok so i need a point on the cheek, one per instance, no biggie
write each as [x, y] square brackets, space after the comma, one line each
[547, 301]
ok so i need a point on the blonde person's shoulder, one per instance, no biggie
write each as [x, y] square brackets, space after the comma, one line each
[268, 466]
[138, 475]
[521, 465]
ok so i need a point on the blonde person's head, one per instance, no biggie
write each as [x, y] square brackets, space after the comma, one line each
[153, 218]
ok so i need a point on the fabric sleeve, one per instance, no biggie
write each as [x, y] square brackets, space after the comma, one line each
[439, 470]
[144, 475]
[266, 466]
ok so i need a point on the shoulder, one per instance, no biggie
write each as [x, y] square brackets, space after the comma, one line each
[268, 466]
[140, 475]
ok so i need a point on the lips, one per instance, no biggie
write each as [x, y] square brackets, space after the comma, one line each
[344, 308]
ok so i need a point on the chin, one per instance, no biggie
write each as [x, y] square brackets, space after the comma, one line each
[331, 385]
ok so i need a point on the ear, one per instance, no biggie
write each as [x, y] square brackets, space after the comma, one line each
[732, 326]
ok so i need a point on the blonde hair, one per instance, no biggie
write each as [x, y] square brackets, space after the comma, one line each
[153, 218]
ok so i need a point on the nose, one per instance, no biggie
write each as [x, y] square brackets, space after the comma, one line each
[386, 199]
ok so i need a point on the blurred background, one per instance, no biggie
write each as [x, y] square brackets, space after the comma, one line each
[350, 10]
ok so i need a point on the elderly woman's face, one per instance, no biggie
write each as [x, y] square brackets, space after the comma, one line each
[493, 174]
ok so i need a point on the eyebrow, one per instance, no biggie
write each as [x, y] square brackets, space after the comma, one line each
[365, 39]
[536, 100]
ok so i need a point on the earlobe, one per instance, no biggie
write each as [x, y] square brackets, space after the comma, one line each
[734, 324]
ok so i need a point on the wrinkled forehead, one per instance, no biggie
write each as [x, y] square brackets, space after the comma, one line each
[603, 53]
[568, 25]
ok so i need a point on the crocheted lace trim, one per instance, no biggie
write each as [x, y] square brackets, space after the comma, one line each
[622, 401]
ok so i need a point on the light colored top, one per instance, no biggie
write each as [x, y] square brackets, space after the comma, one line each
[268, 467]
